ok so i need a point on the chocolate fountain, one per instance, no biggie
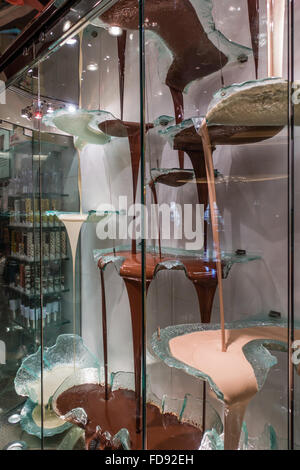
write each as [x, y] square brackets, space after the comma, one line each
[202, 52]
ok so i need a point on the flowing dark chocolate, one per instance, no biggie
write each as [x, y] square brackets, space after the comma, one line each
[104, 332]
[132, 130]
[178, 25]
[253, 13]
[201, 273]
[177, 98]
[164, 431]
[154, 195]
[121, 41]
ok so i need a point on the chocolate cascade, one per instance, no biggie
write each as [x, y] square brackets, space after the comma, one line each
[164, 431]
[177, 24]
[121, 41]
[154, 195]
[104, 333]
[201, 273]
[132, 131]
[195, 56]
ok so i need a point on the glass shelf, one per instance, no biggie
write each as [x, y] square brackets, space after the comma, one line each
[114, 255]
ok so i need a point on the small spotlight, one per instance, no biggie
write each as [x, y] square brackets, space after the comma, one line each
[50, 108]
[71, 108]
[92, 67]
[71, 41]
[67, 25]
[115, 31]
[24, 113]
[38, 115]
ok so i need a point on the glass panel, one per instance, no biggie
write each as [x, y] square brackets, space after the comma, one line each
[20, 293]
[220, 152]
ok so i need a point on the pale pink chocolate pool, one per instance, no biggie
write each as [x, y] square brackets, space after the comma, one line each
[230, 371]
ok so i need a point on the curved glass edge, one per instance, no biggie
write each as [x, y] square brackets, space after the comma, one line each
[61, 354]
[91, 216]
[222, 98]
[28, 424]
[231, 49]
[83, 125]
[169, 132]
[234, 87]
[212, 440]
[228, 259]
[256, 352]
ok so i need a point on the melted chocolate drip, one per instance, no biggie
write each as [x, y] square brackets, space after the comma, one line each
[201, 273]
[164, 431]
[253, 12]
[177, 23]
[177, 98]
[196, 154]
[121, 56]
[132, 130]
[154, 194]
[134, 291]
[104, 332]
[198, 163]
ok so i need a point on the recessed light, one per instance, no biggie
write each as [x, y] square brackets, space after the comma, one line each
[115, 31]
[71, 41]
[67, 25]
[92, 67]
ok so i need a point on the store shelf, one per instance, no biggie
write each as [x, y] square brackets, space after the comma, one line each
[47, 295]
[37, 260]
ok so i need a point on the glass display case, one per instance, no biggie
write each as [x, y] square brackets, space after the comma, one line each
[149, 227]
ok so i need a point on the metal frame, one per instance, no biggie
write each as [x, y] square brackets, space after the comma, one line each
[46, 33]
